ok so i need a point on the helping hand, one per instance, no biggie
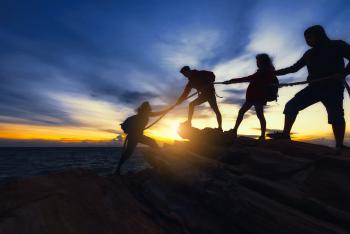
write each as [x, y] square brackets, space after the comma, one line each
[178, 102]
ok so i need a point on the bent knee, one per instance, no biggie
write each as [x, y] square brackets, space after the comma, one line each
[291, 108]
[242, 111]
[192, 105]
[336, 117]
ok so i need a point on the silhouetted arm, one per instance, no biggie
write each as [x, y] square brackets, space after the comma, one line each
[294, 68]
[239, 80]
[153, 114]
[345, 48]
[184, 94]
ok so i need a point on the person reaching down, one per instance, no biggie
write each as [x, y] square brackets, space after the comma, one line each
[134, 127]
[203, 82]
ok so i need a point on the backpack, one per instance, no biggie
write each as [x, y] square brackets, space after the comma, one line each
[272, 90]
[201, 79]
[210, 76]
[129, 124]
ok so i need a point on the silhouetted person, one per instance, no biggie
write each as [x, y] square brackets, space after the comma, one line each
[134, 127]
[325, 58]
[257, 92]
[203, 82]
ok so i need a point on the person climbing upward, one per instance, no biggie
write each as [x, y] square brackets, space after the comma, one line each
[257, 93]
[134, 127]
[203, 82]
[325, 58]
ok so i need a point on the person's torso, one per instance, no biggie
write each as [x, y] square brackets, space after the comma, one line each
[202, 80]
[257, 87]
[139, 124]
[261, 80]
[324, 61]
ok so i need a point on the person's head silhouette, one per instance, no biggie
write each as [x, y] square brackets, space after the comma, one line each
[144, 108]
[186, 71]
[264, 62]
[315, 35]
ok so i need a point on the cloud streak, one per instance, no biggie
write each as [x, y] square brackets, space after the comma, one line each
[72, 63]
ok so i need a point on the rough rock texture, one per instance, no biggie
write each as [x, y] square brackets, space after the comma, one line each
[75, 201]
[210, 184]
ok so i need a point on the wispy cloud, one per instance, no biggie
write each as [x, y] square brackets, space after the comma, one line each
[89, 65]
[189, 46]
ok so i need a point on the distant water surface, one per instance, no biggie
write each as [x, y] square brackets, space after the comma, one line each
[27, 161]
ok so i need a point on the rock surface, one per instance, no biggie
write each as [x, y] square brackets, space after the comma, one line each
[76, 201]
[210, 184]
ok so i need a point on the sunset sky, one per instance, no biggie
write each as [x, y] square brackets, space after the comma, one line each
[71, 71]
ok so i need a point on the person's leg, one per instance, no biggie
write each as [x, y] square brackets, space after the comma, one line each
[333, 101]
[339, 132]
[214, 105]
[149, 141]
[201, 99]
[304, 98]
[245, 107]
[259, 109]
[130, 147]
[288, 123]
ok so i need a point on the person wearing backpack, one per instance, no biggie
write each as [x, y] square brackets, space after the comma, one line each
[263, 87]
[203, 82]
[134, 127]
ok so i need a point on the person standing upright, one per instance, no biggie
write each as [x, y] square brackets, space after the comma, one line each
[257, 93]
[325, 58]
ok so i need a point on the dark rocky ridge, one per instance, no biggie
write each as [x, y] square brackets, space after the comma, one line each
[207, 185]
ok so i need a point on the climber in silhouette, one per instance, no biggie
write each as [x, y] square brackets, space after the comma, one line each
[325, 58]
[257, 93]
[134, 127]
[203, 82]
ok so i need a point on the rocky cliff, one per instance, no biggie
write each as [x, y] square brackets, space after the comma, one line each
[210, 184]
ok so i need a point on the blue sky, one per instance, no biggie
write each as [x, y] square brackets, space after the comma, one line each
[115, 54]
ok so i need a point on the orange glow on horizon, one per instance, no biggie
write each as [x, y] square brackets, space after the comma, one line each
[99, 121]
[52, 133]
[162, 134]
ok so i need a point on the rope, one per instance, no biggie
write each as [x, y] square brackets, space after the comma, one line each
[280, 85]
[306, 81]
[346, 85]
[293, 83]
[157, 120]
[172, 107]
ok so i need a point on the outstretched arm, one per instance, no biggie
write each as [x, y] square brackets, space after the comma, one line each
[294, 68]
[154, 114]
[239, 80]
[184, 94]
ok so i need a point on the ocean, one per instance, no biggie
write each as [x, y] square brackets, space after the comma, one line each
[24, 162]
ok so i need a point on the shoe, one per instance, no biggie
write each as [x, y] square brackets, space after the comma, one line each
[279, 135]
[341, 148]
[233, 133]
[261, 138]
